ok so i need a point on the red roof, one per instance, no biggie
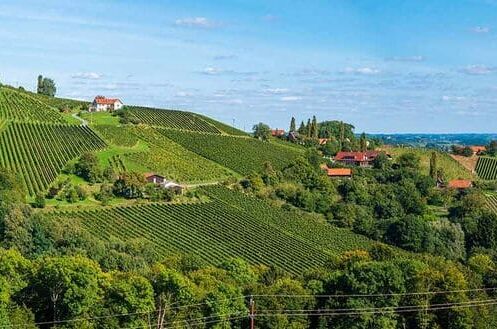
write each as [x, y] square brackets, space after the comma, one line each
[357, 156]
[339, 172]
[323, 141]
[477, 149]
[150, 174]
[106, 101]
[460, 183]
[277, 132]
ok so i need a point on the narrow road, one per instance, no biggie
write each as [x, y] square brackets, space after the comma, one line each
[83, 121]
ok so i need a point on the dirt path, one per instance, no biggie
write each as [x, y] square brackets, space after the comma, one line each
[83, 121]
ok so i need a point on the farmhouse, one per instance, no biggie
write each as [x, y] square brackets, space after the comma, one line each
[460, 184]
[103, 104]
[277, 132]
[477, 150]
[339, 172]
[163, 182]
[362, 159]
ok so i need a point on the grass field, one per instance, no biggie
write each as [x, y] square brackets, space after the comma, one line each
[452, 169]
[219, 229]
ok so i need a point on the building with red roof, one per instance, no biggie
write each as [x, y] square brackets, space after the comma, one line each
[460, 184]
[103, 104]
[362, 159]
[339, 172]
[477, 149]
[277, 132]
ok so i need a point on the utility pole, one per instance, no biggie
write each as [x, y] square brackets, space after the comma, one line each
[252, 312]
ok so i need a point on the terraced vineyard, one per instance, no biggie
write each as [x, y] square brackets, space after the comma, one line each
[172, 119]
[216, 230]
[243, 155]
[223, 127]
[174, 161]
[323, 236]
[492, 202]
[19, 106]
[38, 152]
[486, 168]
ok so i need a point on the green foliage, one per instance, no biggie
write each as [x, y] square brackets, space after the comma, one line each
[39, 201]
[39, 152]
[261, 131]
[46, 86]
[227, 150]
[88, 168]
[130, 185]
[117, 135]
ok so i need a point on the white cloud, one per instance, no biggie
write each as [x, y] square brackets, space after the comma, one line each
[276, 91]
[290, 98]
[361, 70]
[184, 94]
[87, 76]
[197, 22]
[406, 59]
[478, 69]
[453, 98]
[211, 70]
[480, 29]
[224, 57]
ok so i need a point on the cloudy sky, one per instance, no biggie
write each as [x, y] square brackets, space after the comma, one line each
[385, 66]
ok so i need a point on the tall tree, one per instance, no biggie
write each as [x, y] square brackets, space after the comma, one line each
[314, 127]
[433, 165]
[292, 125]
[261, 131]
[302, 128]
[363, 142]
[308, 128]
[46, 86]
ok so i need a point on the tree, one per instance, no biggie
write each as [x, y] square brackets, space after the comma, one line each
[292, 125]
[381, 161]
[39, 201]
[467, 151]
[262, 131]
[88, 167]
[302, 128]
[492, 148]
[409, 160]
[130, 185]
[433, 166]
[46, 86]
[308, 128]
[363, 142]
[314, 127]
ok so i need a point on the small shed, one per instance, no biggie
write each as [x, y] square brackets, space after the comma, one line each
[460, 184]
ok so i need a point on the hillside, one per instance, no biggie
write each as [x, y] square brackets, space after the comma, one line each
[452, 169]
[230, 225]
[486, 168]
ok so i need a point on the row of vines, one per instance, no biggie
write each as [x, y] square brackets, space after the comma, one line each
[172, 119]
[492, 202]
[38, 152]
[243, 155]
[486, 168]
[213, 231]
[19, 106]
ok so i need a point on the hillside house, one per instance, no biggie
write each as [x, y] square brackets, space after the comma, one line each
[163, 182]
[339, 172]
[477, 150]
[460, 184]
[103, 104]
[361, 159]
[277, 132]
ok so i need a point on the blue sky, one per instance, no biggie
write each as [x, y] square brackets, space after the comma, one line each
[384, 66]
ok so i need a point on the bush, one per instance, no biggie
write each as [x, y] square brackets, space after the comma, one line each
[39, 201]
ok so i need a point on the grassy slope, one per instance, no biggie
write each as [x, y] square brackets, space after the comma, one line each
[453, 169]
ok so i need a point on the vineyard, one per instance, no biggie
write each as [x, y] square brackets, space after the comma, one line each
[243, 155]
[492, 202]
[172, 119]
[119, 136]
[174, 161]
[299, 225]
[19, 106]
[223, 127]
[216, 230]
[38, 152]
[486, 168]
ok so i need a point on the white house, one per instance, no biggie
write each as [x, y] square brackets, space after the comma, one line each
[103, 104]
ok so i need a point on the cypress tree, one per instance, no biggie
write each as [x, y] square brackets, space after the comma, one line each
[292, 125]
[308, 128]
[39, 88]
[314, 127]
[302, 128]
[363, 142]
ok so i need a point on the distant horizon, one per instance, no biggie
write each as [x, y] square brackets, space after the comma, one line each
[384, 66]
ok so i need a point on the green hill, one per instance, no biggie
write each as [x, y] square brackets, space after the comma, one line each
[38, 151]
[240, 154]
[219, 229]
